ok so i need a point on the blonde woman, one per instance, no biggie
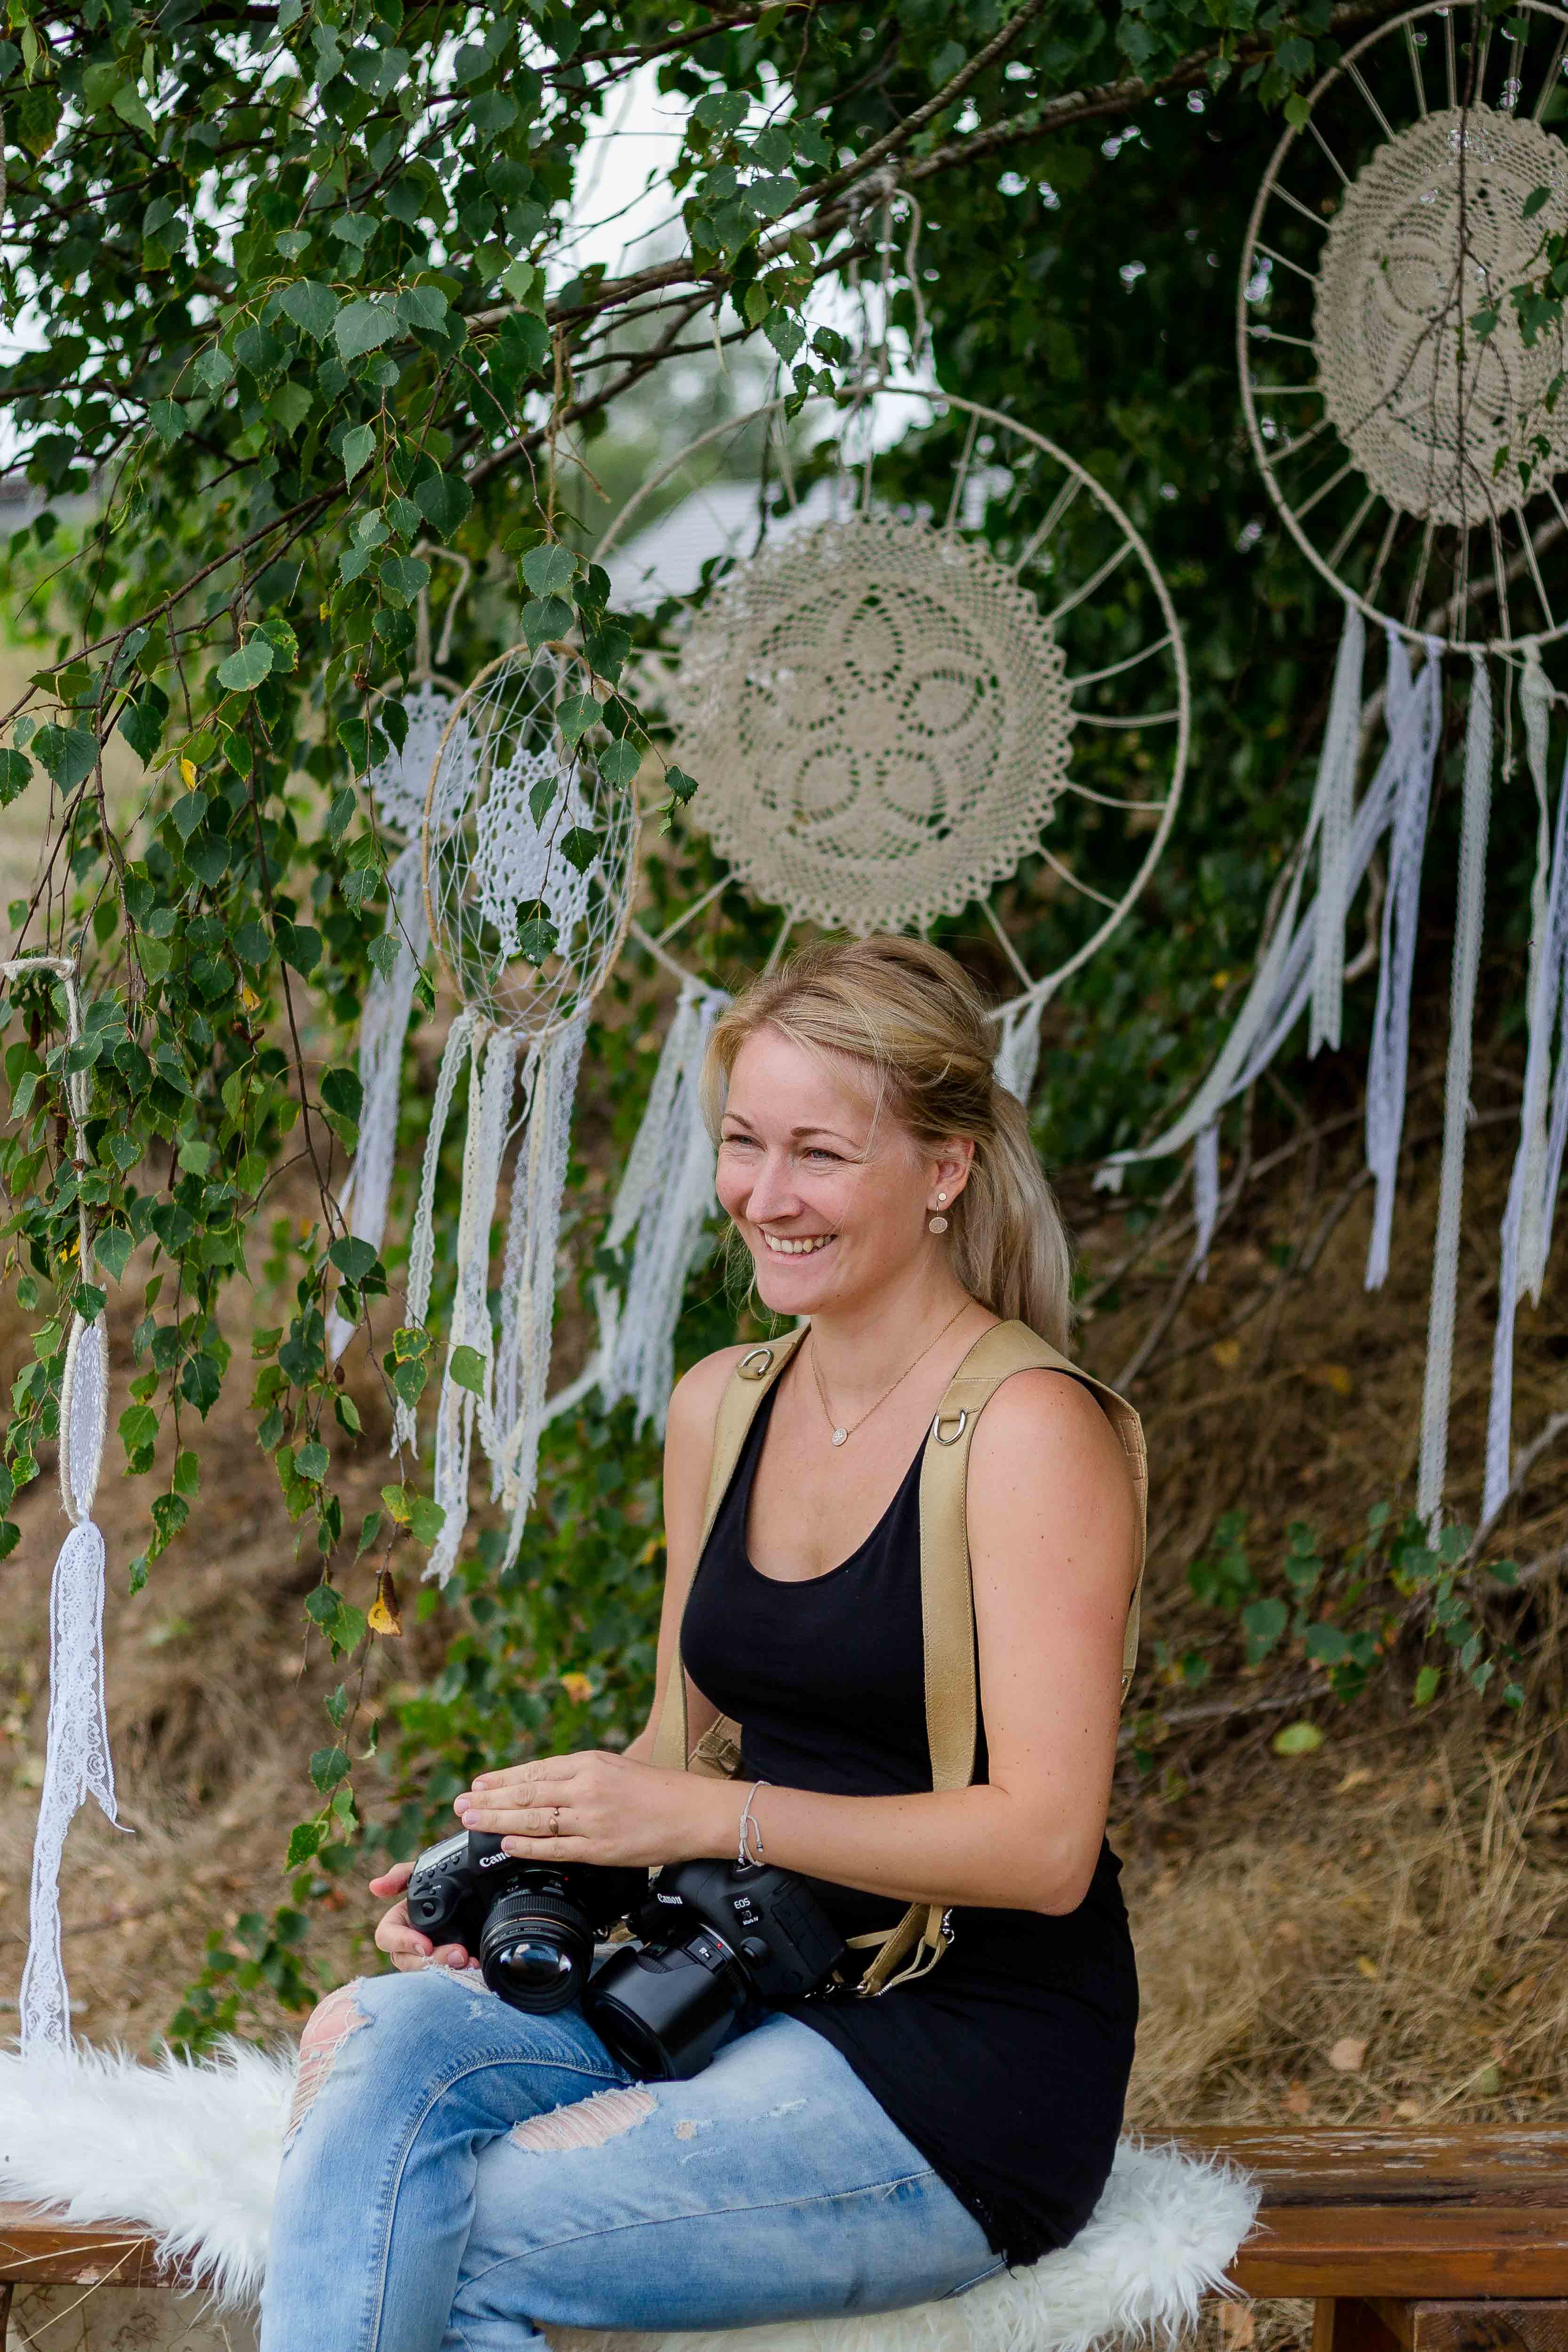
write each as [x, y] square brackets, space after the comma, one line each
[463, 2174]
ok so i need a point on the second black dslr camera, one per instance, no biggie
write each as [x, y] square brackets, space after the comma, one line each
[530, 1925]
[711, 1937]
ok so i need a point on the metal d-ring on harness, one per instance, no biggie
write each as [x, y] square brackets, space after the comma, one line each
[947, 1602]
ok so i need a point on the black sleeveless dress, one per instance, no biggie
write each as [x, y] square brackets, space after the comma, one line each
[1007, 2065]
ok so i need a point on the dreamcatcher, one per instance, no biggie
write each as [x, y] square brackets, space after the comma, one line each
[518, 831]
[1415, 456]
[888, 708]
[397, 787]
[76, 1762]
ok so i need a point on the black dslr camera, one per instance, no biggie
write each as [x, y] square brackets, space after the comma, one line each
[713, 1936]
[532, 1924]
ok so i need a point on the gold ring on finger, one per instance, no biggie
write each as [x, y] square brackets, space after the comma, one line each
[554, 1821]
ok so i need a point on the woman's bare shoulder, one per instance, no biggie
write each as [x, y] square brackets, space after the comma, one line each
[1036, 1417]
[694, 1400]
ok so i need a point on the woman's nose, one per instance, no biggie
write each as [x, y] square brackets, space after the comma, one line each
[773, 1193]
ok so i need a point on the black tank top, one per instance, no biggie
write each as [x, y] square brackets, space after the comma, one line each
[1007, 2065]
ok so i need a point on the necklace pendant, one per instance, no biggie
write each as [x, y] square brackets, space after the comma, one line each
[839, 1435]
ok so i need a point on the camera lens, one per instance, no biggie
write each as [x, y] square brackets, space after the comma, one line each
[536, 1950]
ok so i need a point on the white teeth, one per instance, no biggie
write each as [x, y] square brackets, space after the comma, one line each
[803, 1247]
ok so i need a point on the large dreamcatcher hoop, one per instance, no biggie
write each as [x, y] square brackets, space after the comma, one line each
[1413, 440]
[529, 860]
[888, 708]
[1414, 457]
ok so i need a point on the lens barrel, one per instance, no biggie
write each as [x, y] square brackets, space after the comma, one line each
[664, 2009]
[536, 1950]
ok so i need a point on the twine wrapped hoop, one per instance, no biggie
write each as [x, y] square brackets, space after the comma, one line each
[1414, 451]
[488, 859]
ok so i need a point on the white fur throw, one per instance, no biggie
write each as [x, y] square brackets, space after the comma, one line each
[191, 2152]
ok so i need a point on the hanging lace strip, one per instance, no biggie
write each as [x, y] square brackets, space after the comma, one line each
[421, 1240]
[1017, 1054]
[1527, 1217]
[540, 1176]
[383, 1029]
[1415, 721]
[1284, 980]
[77, 1763]
[489, 1109]
[1433, 1460]
[665, 1199]
[1205, 1196]
[1334, 799]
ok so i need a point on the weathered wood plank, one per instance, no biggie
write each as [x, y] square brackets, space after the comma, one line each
[1484, 2165]
[1541, 2325]
[1405, 2250]
[42, 2249]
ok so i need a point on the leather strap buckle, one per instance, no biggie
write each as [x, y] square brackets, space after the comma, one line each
[960, 1417]
[755, 1365]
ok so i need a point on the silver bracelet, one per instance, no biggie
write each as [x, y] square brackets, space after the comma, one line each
[744, 1858]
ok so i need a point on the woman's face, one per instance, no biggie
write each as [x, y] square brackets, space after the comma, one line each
[831, 1200]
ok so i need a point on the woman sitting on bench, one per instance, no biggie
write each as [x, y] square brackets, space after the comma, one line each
[461, 2172]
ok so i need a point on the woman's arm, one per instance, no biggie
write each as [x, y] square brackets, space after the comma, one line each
[1052, 1528]
[688, 1457]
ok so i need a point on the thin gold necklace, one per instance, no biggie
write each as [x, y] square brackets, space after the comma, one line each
[843, 1432]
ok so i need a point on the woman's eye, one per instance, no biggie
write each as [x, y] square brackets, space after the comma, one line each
[816, 1152]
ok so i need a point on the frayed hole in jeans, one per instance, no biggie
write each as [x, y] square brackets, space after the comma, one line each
[339, 2016]
[586, 2123]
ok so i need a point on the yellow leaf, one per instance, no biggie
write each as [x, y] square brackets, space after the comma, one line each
[1227, 1354]
[1365, 1967]
[187, 772]
[578, 1688]
[1222, 980]
[248, 998]
[1354, 1780]
[1336, 1377]
[650, 1551]
[1348, 2055]
[1297, 1740]
[385, 1616]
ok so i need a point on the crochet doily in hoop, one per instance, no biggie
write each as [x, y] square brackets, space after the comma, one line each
[886, 718]
[1412, 440]
[519, 828]
[924, 646]
[1396, 297]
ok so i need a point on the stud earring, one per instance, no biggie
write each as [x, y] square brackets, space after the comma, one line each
[938, 1224]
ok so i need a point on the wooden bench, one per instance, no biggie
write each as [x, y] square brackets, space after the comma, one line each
[1408, 2241]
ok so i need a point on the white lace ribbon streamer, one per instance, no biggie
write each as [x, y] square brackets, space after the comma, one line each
[1474, 821]
[1415, 721]
[1205, 1196]
[1334, 799]
[1532, 1193]
[422, 1241]
[1018, 1055]
[541, 1174]
[491, 1084]
[1283, 982]
[383, 1029]
[666, 1199]
[77, 1763]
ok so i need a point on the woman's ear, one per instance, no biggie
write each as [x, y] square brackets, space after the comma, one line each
[953, 1161]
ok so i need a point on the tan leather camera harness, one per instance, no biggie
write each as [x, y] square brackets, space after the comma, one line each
[947, 1602]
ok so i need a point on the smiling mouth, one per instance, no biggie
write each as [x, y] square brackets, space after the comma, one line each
[797, 1245]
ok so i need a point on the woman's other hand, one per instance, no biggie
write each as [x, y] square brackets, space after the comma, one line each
[602, 1807]
[404, 1946]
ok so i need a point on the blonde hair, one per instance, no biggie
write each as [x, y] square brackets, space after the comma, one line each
[913, 1014]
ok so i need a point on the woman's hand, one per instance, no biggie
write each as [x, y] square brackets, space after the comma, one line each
[603, 1808]
[404, 1946]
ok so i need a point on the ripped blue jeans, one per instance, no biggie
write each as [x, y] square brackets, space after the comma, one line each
[460, 2175]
